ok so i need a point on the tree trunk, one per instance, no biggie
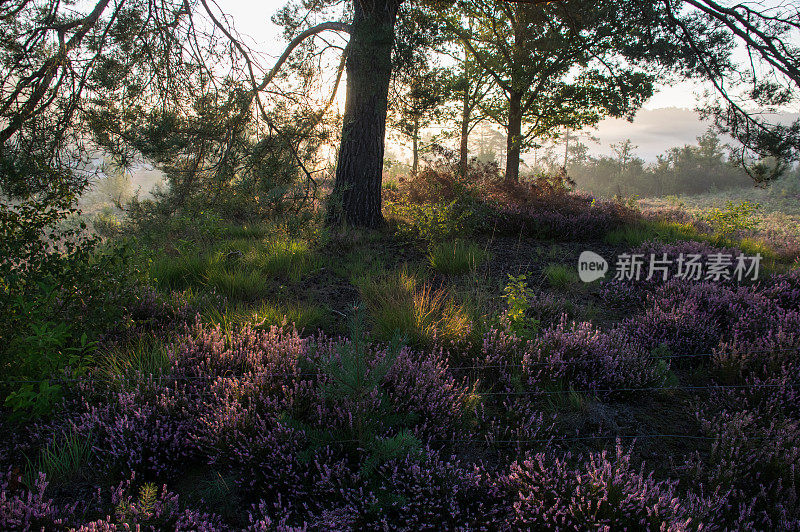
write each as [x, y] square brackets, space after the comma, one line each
[465, 112]
[514, 136]
[356, 198]
[415, 147]
[464, 149]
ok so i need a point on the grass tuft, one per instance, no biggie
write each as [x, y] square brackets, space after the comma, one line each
[61, 460]
[456, 257]
[147, 356]
[398, 304]
[308, 317]
[561, 276]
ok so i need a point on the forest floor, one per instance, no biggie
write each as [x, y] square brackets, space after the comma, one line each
[449, 370]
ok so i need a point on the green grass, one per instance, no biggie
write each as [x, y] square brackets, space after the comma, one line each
[662, 231]
[147, 356]
[456, 257]
[669, 232]
[777, 221]
[307, 317]
[286, 259]
[561, 276]
[398, 303]
[238, 284]
[176, 273]
[242, 269]
[61, 460]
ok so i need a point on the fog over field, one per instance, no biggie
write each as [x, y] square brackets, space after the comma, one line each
[655, 131]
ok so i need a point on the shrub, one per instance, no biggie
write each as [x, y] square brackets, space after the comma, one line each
[518, 298]
[60, 291]
[434, 222]
[733, 219]
[38, 354]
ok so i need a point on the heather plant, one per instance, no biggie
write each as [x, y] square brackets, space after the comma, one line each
[583, 357]
[434, 492]
[412, 425]
[563, 217]
[754, 456]
[29, 509]
[764, 344]
[431, 492]
[146, 428]
[783, 289]
[690, 318]
[601, 493]
[422, 386]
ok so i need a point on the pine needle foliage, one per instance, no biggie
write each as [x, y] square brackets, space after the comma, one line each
[354, 379]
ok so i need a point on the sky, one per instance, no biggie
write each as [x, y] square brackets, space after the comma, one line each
[667, 119]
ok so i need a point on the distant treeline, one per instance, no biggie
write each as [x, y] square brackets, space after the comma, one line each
[691, 169]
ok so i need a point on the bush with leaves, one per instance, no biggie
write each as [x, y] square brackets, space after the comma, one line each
[518, 297]
[60, 290]
[734, 219]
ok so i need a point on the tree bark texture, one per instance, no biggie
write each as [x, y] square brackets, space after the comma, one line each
[514, 136]
[356, 196]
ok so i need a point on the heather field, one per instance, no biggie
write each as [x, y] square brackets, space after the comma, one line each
[450, 371]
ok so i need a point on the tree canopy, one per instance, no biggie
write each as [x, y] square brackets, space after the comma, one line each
[174, 82]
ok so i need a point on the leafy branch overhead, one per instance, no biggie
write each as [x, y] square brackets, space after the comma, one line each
[175, 84]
